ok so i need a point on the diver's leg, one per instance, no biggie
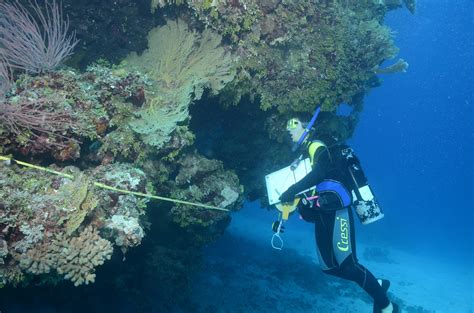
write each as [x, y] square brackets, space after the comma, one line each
[350, 269]
[344, 248]
[323, 231]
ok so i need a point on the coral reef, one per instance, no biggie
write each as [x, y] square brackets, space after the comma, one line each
[57, 223]
[183, 67]
[91, 118]
[41, 215]
[296, 55]
[325, 58]
[204, 181]
[56, 113]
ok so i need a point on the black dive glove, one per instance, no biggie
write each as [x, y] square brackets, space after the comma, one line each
[288, 195]
[276, 225]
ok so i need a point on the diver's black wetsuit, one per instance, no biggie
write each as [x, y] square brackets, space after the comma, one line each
[334, 223]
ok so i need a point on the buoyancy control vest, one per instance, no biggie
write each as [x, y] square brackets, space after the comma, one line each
[332, 191]
[346, 179]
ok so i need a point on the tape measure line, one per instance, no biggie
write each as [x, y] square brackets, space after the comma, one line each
[104, 186]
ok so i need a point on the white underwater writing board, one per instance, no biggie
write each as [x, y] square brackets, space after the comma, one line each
[279, 181]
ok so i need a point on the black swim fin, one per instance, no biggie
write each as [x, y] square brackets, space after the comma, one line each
[385, 283]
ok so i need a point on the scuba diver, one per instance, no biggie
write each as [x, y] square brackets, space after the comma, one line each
[328, 206]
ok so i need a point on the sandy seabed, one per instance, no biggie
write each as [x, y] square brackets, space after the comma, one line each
[243, 273]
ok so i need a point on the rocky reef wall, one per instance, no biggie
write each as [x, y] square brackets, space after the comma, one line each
[185, 100]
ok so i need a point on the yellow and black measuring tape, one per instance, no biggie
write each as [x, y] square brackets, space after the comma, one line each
[104, 186]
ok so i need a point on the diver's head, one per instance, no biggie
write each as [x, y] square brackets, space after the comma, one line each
[295, 128]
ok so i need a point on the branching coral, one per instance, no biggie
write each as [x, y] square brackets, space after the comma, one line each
[77, 257]
[73, 257]
[37, 260]
[33, 235]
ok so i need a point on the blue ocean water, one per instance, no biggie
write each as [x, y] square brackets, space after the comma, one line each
[416, 133]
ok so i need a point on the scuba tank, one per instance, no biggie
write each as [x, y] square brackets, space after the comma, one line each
[366, 206]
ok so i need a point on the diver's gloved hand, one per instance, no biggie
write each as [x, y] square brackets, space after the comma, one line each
[276, 225]
[288, 195]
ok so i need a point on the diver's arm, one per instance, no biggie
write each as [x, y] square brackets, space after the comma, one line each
[314, 177]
